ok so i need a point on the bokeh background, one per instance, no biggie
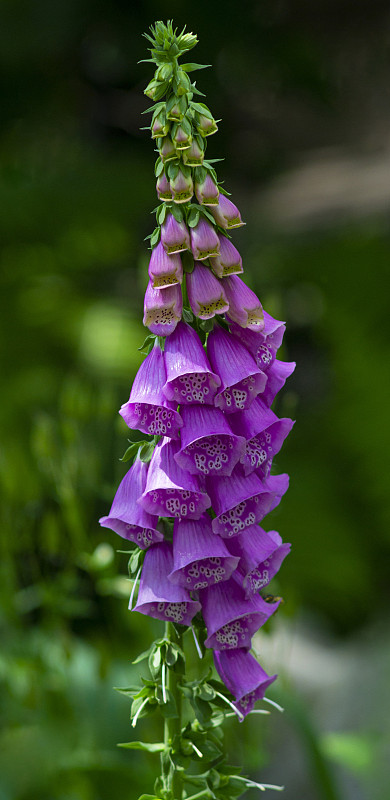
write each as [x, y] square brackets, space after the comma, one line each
[303, 92]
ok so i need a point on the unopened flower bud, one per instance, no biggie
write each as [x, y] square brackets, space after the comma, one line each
[163, 188]
[182, 136]
[244, 305]
[204, 240]
[174, 235]
[226, 214]
[159, 125]
[155, 89]
[206, 126]
[175, 114]
[184, 83]
[194, 155]
[229, 261]
[207, 192]
[182, 187]
[167, 150]
[205, 292]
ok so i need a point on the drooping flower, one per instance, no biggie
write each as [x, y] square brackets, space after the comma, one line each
[158, 597]
[231, 618]
[182, 187]
[277, 375]
[162, 309]
[261, 555]
[147, 409]
[194, 155]
[164, 270]
[200, 558]
[126, 517]
[167, 150]
[264, 433]
[241, 380]
[204, 240]
[207, 192]
[206, 126]
[163, 188]
[208, 445]
[189, 376]
[174, 235]
[243, 676]
[229, 261]
[205, 292]
[226, 214]
[244, 305]
[171, 491]
[262, 344]
[159, 126]
[240, 501]
[181, 135]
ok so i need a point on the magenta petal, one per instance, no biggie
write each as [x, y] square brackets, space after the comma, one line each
[242, 501]
[164, 270]
[162, 309]
[126, 517]
[229, 261]
[261, 555]
[277, 376]
[244, 305]
[189, 375]
[204, 240]
[174, 235]
[148, 410]
[231, 618]
[264, 432]
[243, 677]
[171, 491]
[226, 214]
[205, 292]
[241, 380]
[157, 596]
[200, 558]
[208, 443]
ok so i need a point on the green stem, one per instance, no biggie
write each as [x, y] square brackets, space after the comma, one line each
[172, 727]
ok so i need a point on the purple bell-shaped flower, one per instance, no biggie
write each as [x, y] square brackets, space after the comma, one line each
[163, 188]
[261, 555]
[229, 261]
[243, 676]
[126, 517]
[182, 186]
[241, 380]
[226, 214]
[164, 270]
[174, 235]
[262, 345]
[148, 410]
[158, 597]
[207, 192]
[208, 445]
[264, 433]
[241, 501]
[200, 558]
[231, 618]
[162, 309]
[204, 240]
[244, 305]
[189, 375]
[171, 491]
[205, 292]
[277, 375]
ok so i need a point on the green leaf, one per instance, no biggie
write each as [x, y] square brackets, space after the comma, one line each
[161, 214]
[141, 657]
[159, 168]
[177, 212]
[156, 747]
[136, 560]
[193, 218]
[154, 238]
[188, 263]
[192, 67]
[155, 661]
[202, 109]
[149, 340]
[149, 797]
[131, 452]
[146, 452]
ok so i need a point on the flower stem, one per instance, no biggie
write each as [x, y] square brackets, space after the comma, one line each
[172, 726]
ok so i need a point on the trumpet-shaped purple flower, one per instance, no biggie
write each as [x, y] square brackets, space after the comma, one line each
[244, 305]
[242, 501]
[226, 214]
[171, 491]
[163, 188]
[205, 292]
[207, 192]
[164, 270]
[241, 380]
[264, 432]
[126, 517]
[277, 375]
[229, 261]
[204, 240]
[243, 676]
[261, 555]
[231, 618]
[158, 597]
[208, 445]
[148, 410]
[174, 235]
[182, 187]
[162, 309]
[189, 375]
[200, 558]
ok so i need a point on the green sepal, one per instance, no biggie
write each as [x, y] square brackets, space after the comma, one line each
[128, 691]
[161, 213]
[156, 747]
[193, 216]
[154, 661]
[158, 168]
[202, 109]
[146, 450]
[142, 656]
[168, 707]
[131, 452]
[197, 91]
[154, 237]
[177, 212]
[192, 67]
[136, 560]
[188, 315]
[149, 797]
[148, 344]
[187, 260]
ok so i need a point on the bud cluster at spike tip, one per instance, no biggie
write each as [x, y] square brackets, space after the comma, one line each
[204, 392]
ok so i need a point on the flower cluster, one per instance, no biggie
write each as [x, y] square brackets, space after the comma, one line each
[197, 503]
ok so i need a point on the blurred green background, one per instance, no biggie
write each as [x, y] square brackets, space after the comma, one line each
[303, 92]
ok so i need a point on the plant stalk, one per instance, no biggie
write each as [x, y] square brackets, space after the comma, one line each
[172, 726]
